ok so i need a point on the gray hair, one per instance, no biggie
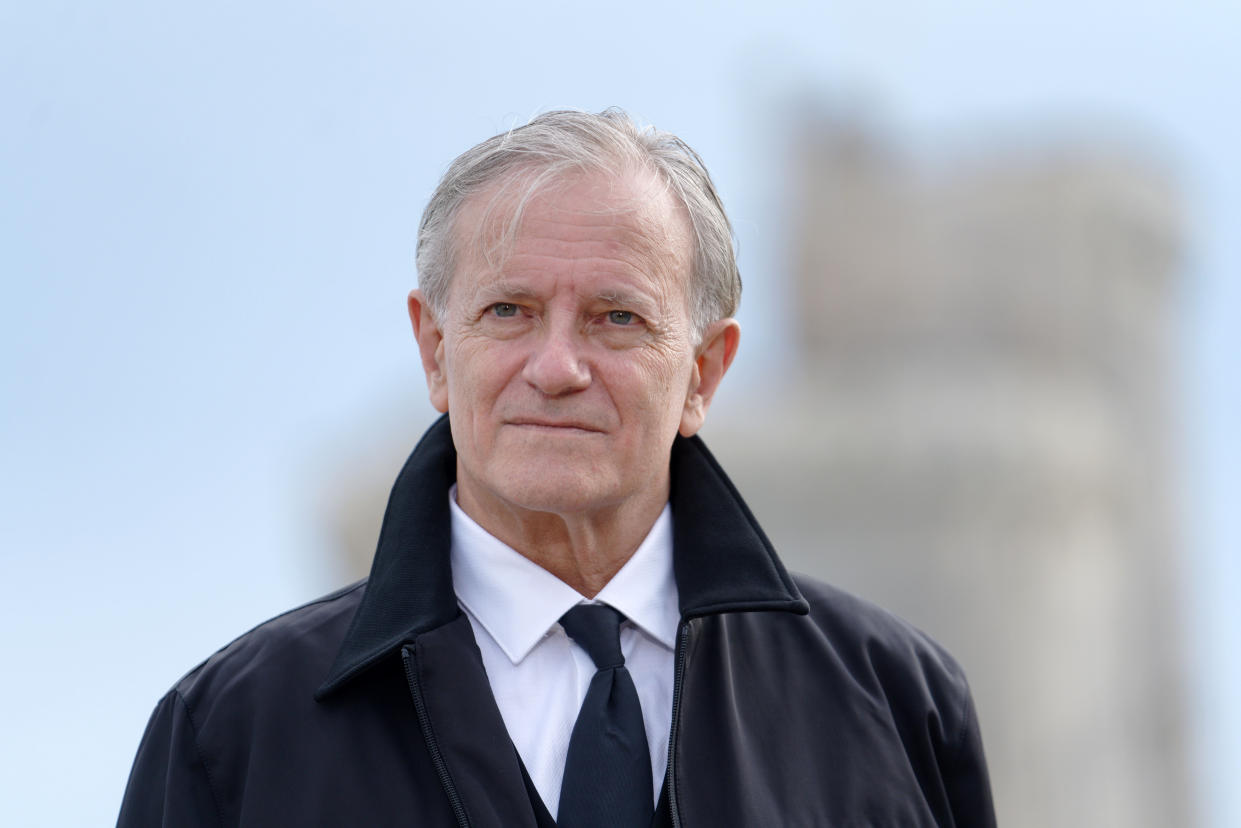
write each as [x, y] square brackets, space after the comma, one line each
[558, 143]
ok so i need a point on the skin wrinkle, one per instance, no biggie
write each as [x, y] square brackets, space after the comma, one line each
[576, 499]
[633, 251]
[496, 225]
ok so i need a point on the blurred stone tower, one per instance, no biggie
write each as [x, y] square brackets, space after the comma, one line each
[979, 439]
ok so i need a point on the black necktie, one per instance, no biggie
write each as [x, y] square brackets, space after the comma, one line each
[607, 775]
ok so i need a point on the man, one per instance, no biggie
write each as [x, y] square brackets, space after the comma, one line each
[572, 617]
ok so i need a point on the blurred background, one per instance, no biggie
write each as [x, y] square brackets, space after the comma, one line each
[988, 379]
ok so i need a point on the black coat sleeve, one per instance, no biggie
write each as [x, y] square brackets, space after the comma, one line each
[965, 776]
[169, 784]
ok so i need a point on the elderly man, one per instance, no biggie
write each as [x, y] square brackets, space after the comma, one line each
[572, 618]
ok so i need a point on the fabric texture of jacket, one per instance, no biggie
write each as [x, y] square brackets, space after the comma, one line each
[794, 703]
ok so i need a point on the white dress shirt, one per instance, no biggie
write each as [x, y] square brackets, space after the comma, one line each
[538, 675]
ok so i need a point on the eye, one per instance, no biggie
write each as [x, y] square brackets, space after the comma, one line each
[504, 309]
[621, 317]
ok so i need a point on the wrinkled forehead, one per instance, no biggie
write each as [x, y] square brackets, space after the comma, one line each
[638, 204]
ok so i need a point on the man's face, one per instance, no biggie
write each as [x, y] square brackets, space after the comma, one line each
[568, 364]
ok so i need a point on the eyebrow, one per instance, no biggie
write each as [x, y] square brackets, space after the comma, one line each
[626, 299]
[504, 289]
[615, 297]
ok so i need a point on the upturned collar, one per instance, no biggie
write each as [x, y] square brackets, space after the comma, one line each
[722, 560]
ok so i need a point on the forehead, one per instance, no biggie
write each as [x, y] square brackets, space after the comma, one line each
[629, 221]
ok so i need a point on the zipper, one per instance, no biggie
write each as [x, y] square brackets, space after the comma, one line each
[678, 679]
[437, 758]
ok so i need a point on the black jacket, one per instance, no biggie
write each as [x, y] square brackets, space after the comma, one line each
[794, 704]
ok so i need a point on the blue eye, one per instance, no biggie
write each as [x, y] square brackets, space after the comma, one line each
[620, 317]
[504, 309]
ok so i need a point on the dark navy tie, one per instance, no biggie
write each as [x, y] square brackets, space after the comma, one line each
[607, 775]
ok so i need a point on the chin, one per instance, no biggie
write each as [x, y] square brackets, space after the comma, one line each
[559, 490]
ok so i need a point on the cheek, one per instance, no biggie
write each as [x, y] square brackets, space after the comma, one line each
[478, 376]
[657, 388]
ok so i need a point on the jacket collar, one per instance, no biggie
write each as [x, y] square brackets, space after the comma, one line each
[721, 559]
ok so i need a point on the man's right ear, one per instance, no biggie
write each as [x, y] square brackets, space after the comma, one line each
[431, 346]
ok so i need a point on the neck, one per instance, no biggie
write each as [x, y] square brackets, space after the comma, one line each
[583, 549]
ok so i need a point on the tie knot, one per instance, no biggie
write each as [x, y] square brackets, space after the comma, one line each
[596, 629]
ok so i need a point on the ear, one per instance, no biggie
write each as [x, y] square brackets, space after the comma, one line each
[715, 354]
[430, 340]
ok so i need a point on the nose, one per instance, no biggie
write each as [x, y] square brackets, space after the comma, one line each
[556, 366]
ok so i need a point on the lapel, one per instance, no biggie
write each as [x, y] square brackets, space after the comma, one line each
[722, 560]
[464, 730]
[409, 590]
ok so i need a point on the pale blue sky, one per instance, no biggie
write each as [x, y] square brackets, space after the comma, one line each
[206, 235]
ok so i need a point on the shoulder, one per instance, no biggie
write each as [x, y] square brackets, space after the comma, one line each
[876, 645]
[228, 717]
[895, 667]
[291, 652]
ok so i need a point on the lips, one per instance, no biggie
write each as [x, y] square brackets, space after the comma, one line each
[554, 424]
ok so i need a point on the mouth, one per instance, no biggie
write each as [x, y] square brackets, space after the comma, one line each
[554, 426]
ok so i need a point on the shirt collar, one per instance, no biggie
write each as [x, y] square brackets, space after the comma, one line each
[645, 589]
[518, 601]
